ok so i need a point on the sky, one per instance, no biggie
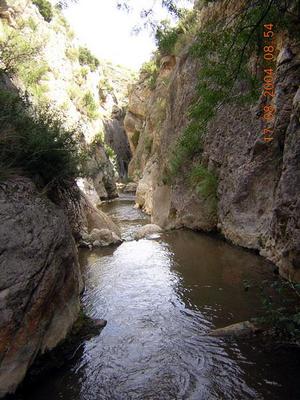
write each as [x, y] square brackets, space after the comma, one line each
[107, 31]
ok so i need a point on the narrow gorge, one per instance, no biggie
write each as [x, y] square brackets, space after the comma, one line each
[150, 220]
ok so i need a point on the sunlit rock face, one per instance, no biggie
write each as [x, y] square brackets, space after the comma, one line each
[85, 95]
[258, 183]
[40, 279]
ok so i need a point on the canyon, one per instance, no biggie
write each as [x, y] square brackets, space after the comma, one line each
[139, 134]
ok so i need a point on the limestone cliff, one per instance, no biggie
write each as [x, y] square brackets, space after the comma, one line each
[65, 76]
[258, 182]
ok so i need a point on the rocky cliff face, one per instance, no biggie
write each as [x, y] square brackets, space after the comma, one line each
[116, 138]
[66, 77]
[39, 280]
[258, 182]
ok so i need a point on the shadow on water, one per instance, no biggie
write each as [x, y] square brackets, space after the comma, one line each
[161, 297]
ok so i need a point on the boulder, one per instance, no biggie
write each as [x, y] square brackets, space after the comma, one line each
[93, 218]
[40, 280]
[130, 187]
[147, 231]
[101, 238]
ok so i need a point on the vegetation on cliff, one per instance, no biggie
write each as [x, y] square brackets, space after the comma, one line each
[35, 142]
[229, 49]
[61, 93]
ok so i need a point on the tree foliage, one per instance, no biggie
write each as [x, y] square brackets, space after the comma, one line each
[87, 58]
[45, 9]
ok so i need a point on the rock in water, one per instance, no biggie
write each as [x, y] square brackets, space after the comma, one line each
[130, 187]
[40, 279]
[238, 329]
[100, 323]
[147, 230]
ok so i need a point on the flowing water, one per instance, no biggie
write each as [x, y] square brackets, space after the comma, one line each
[161, 298]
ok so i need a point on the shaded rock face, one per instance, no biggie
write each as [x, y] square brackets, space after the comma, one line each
[102, 174]
[259, 183]
[116, 138]
[82, 214]
[134, 122]
[97, 228]
[130, 187]
[40, 279]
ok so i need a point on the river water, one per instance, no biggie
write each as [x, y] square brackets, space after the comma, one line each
[161, 298]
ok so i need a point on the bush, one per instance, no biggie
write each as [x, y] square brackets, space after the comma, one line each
[87, 58]
[45, 9]
[17, 49]
[72, 54]
[98, 138]
[166, 38]
[32, 73]
[89, 105]
[34, 142]
[151, 69]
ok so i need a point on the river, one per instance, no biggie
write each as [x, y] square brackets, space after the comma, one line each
[161, 298]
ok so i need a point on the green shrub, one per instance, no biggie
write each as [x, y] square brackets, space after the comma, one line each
[32, 73]
[35, 143]
[87, 58]
[110, 152]
[45, 9]
[63, 22]
[105, 85]
[151, 70]
[112, 156]
[30, 22]
[84, 72]
[74, 93]
[99, 138]
[166, 38]
[17, 49]
[72, 54]
[89, 105]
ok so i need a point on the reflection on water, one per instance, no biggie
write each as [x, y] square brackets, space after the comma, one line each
[161, 298]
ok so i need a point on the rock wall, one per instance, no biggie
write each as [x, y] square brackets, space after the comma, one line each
[258, 182]
[116, 138]
[40, 280]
